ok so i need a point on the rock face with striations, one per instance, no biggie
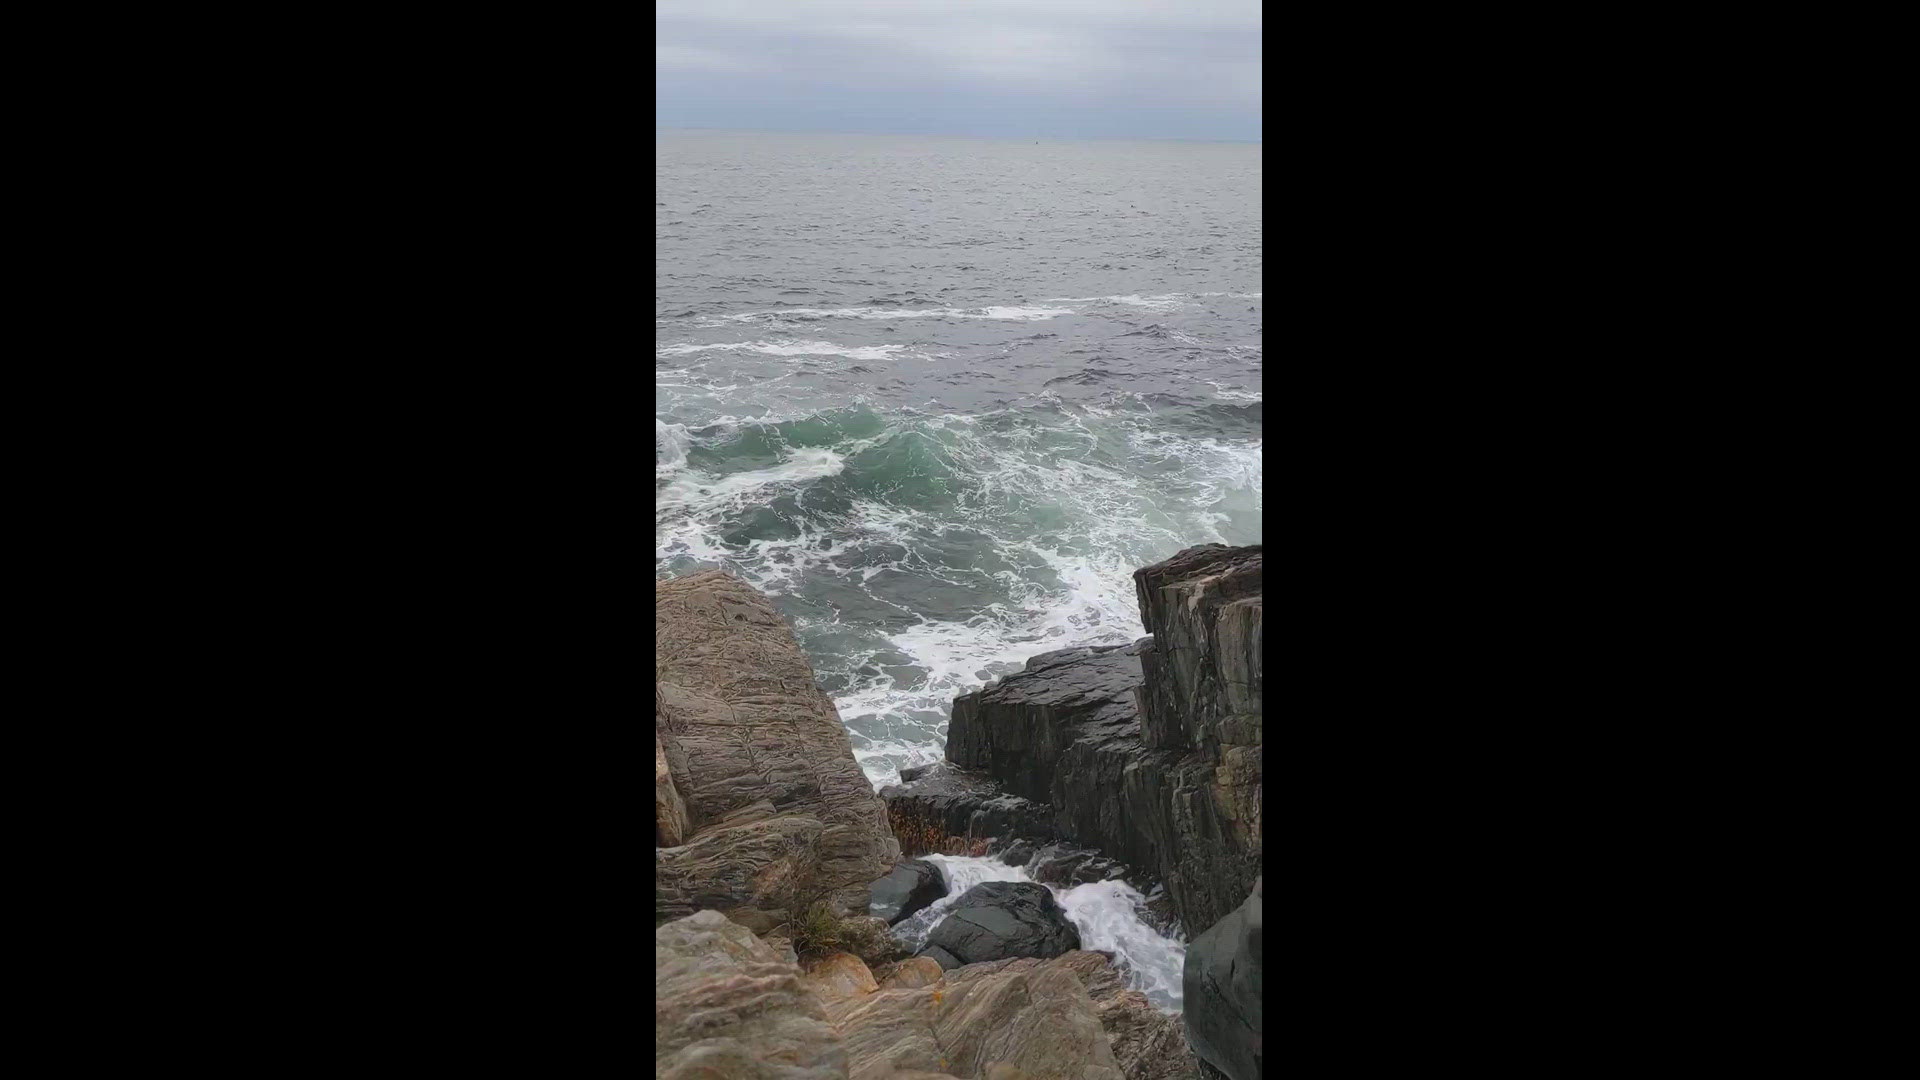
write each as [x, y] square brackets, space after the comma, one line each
[1148, 1044]
[1149, 752]
[669, 812]
[1201, 688]
[726, 1004]
[1067, 1018]
[751, 757]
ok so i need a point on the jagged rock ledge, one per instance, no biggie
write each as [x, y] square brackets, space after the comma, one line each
[1148, 753]
[948, 811]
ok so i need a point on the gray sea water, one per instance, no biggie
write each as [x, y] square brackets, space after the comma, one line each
[939, 397]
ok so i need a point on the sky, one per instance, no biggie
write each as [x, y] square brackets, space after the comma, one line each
[1144, 69]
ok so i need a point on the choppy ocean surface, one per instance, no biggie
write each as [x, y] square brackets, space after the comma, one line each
[940, 397]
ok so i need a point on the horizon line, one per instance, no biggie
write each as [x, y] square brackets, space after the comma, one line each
[659, 127]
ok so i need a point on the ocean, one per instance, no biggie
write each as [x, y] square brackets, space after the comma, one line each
[940, 397]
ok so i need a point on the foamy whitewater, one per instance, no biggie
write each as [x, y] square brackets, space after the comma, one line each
[1107, 914]
[939, 398]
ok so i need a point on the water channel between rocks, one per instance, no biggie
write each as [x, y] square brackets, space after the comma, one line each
[1108, 915]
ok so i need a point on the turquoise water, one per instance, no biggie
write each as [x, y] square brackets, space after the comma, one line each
[940, 397]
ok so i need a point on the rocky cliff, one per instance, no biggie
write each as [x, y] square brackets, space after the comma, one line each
[750, 757]
[1148, 752]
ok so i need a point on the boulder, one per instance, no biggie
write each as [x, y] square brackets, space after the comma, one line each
[910, 886]
[1018, 853]
[1066, 866]
[938, 955]
[756, 756]
[913, 972]
[999, 920]
[1221, 986]
[839, 978]
[726, 1004]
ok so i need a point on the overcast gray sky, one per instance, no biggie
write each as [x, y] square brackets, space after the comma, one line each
[1150, 69]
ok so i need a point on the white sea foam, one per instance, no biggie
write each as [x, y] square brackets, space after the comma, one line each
[806, 463]
[1225, 393]
[1163, 302]
[1022, 314]
[1075, 530]
[1157, 303]
[785, 348]
[1108, 915]
[1221, 480]
[669, 447]
[1055, 541]
[1092, 602]
[690, 515]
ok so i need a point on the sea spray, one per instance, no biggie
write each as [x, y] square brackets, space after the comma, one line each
[1110, 916]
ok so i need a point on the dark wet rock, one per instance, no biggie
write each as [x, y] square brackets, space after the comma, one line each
[1000, 920]
[1203, 680]
[1159, 912]
[913, 772]
[1062, 696]
[1018, 853]
[946, 810]
[940, 956]
[1202, 695]
[1221, 987]
[910, 886]
[1067, 866]
[1148, 752]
